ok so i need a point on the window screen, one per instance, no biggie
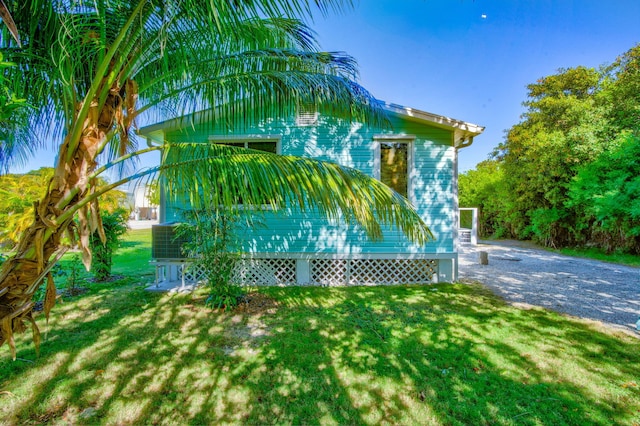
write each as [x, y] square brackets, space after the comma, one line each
[394, 166]
[270, 146]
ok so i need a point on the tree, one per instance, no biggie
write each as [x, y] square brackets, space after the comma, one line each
[115, 226]
[607, 193]
[623, 91]
[569, 165]
[485, 188]
[18, 192]
[91, 69]
[17, 195]
[561, 129]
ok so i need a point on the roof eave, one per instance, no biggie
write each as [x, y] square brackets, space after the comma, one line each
[463, 131]
[441, 121]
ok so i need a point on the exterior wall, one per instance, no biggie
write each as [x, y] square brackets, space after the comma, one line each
[141, 206]
[432, 184]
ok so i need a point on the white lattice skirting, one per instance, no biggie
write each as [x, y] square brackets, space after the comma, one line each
[372, 271]
[327, 272]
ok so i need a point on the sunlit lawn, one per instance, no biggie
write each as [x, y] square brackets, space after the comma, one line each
[130, 260]
[442, 354]
[593, 253]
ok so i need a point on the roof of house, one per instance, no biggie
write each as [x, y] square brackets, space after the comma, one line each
[464, 132]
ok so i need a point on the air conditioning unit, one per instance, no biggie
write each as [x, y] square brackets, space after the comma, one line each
[164, 242]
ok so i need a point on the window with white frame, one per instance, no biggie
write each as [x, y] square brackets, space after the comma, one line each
[394, 162]
[270, 144]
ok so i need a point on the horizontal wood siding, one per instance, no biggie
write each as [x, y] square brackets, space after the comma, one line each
[351, 145]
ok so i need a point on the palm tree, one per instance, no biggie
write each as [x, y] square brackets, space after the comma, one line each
[19, 191]
[90, 69]
[8, 21]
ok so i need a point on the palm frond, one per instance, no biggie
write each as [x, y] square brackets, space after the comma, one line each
[234, 177]
[5, 14]
[71, 46]
[252, 60]
[270, 58]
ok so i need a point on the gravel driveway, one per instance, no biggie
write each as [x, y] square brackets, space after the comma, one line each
[580, 287]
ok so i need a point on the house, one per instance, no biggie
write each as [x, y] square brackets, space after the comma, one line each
[140, 203]
[417, 156]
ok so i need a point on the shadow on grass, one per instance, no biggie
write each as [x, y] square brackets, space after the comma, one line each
[410, 355]
[414, 356]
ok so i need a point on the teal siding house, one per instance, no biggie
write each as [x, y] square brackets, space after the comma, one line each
[417, 156]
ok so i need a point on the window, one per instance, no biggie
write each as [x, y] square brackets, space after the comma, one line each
[394, 163]
[269, 144]
[259, 145]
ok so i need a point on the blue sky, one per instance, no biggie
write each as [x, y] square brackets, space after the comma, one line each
[470, 59]
[444, 57]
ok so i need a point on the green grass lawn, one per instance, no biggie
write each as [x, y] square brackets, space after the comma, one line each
[597, 254]
[131, 259]
[442, 354]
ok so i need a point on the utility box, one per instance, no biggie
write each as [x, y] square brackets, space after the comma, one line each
[164, 242]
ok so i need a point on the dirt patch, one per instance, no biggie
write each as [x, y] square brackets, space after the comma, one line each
[247, 330]
[257, 303]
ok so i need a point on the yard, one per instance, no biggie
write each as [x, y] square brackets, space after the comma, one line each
[441, 354]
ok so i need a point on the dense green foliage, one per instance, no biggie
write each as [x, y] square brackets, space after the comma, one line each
[18, 193]
[114, 225]
[607, 193]
[484, 188]
[567, 173]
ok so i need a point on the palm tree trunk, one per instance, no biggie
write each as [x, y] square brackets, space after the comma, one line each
[24, 272]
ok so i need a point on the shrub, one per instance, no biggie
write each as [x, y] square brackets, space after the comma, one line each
[213, 246]
[115, 226]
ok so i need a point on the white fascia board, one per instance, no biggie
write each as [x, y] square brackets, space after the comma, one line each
[462, 130]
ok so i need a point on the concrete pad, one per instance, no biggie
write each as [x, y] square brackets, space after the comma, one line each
[172, 287]
[141, 224]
